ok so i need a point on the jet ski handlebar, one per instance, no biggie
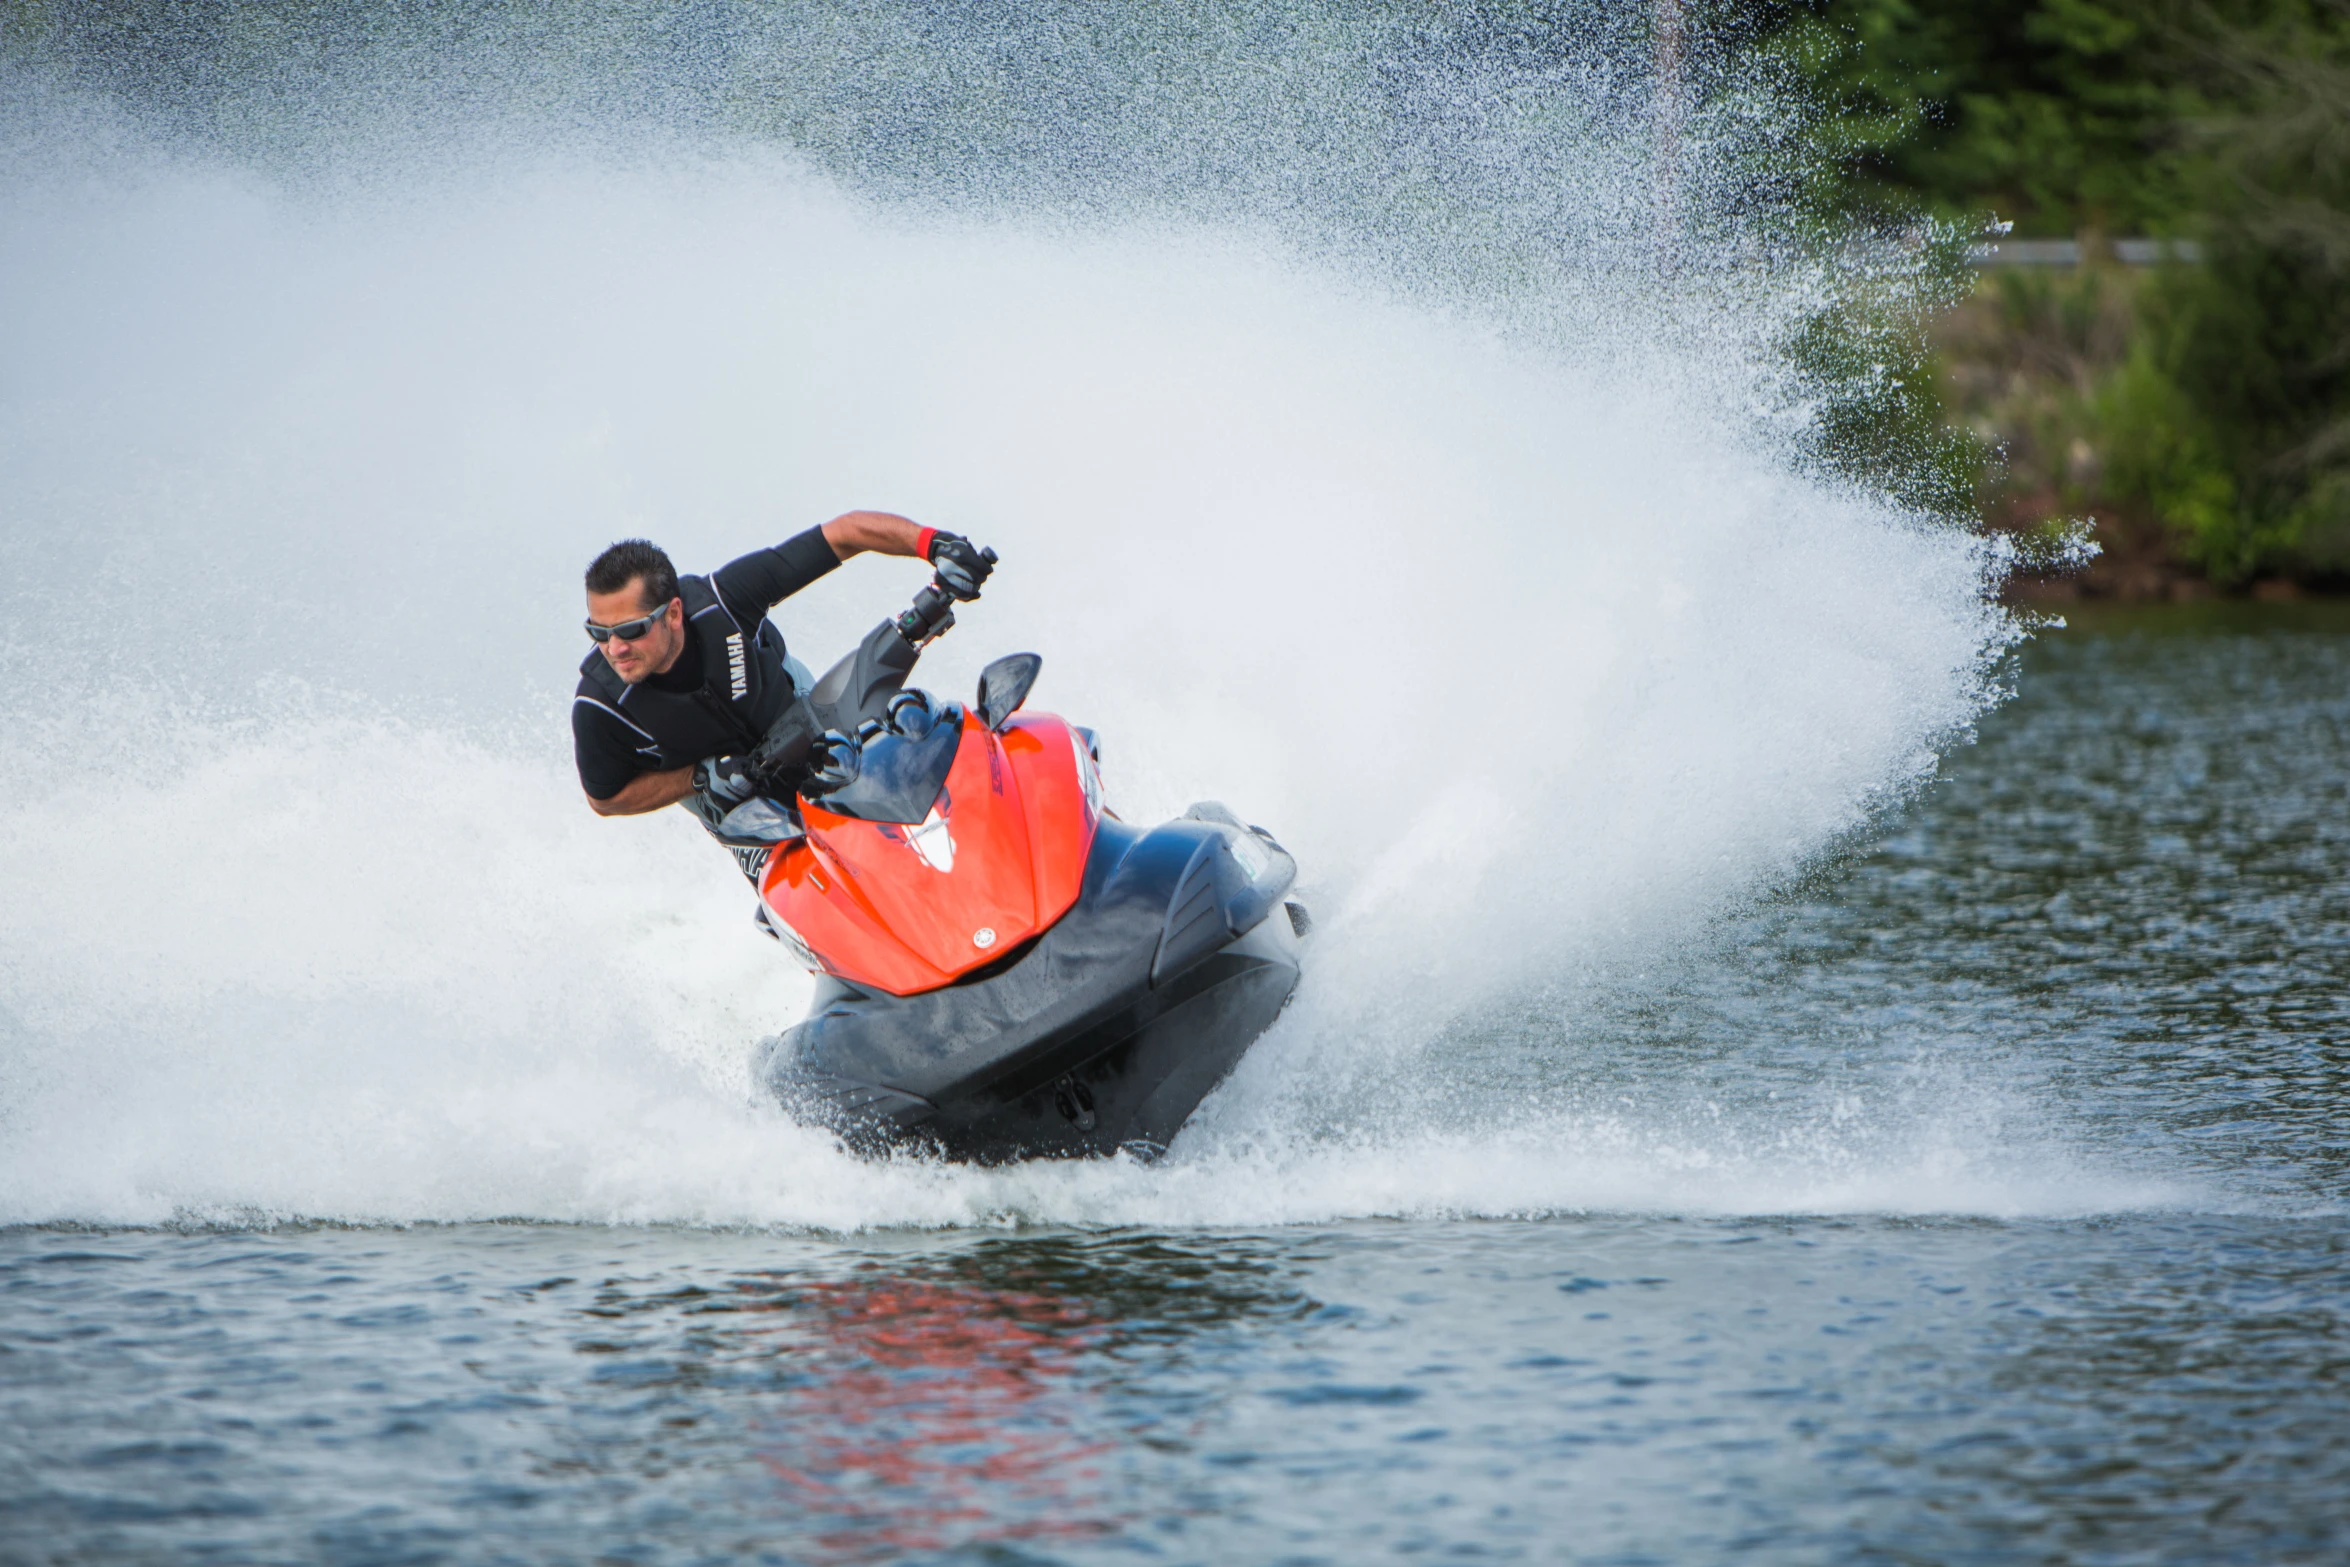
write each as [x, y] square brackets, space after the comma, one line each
[812, 745]
[932, 613]
[933, 610]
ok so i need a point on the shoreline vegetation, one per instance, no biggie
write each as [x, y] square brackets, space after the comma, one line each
[2194, 408]
[2046, 370]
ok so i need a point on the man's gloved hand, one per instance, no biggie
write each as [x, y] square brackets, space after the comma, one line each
[725, 780]
[960, 565]
[834, 762]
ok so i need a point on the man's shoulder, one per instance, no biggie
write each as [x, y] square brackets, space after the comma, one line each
[597, 719]
[755, 583]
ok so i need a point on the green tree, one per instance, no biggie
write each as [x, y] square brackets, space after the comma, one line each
[2256, 342]
[2058, 115]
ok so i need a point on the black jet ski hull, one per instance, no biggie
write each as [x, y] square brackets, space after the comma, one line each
[1104, 1033]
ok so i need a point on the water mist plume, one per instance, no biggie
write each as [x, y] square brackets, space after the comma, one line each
[1351, 456]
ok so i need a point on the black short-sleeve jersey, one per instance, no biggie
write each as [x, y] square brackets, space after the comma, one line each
[611, 750]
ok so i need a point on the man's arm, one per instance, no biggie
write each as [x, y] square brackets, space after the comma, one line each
[883, 532]
[765, 578]
[962, 568]
[646, 792]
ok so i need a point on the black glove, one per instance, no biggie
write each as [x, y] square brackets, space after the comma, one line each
[725, 781]
[962, 566]
[834, 762]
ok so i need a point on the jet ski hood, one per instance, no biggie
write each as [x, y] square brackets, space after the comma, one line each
[938, 879]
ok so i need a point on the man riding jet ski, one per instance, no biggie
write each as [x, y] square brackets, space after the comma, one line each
[689, 668]
[1004, 969]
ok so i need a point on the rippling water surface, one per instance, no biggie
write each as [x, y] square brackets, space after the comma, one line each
[2105, 960]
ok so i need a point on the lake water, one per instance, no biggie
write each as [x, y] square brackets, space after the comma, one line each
[2087, 1000]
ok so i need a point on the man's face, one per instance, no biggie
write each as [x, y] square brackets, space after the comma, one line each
[650, 654]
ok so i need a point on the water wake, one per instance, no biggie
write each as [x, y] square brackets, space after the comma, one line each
[1539, 659]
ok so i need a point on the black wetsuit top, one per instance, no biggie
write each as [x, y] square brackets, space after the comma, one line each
[725, 688]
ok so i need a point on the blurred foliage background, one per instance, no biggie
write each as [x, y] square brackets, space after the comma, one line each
[2199, 411]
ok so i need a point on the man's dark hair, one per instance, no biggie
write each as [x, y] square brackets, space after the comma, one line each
[611, 571]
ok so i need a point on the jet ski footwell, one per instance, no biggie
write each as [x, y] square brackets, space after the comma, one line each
[1103, 1033]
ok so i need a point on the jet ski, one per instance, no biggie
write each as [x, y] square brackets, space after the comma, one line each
[1004, 969]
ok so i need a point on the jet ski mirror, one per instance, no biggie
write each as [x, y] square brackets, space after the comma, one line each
[1003, 686]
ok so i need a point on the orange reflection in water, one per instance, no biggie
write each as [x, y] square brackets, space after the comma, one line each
[939, 1415]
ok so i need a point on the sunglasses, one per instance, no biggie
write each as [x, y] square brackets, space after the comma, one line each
[628, 630]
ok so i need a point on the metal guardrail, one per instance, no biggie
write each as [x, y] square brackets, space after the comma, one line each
[2067, 252]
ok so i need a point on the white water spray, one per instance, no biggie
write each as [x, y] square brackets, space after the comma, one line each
[1538, 659]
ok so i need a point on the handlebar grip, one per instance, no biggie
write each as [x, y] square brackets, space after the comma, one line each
[932, 613]
[933, 610]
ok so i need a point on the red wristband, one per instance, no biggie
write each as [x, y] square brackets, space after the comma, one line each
[922, 542]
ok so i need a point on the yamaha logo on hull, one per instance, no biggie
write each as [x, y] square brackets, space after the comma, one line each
[934, 843]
